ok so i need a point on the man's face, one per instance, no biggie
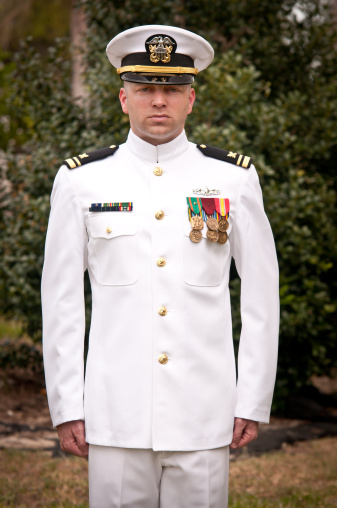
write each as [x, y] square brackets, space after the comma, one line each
[157, 113]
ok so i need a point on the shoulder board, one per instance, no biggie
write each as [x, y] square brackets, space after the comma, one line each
[85, 158]
[223, 155]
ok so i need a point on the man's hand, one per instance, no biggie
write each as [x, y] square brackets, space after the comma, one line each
[244, 432]
[72, 438]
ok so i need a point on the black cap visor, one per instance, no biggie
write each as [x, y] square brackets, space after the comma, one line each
[158, 79]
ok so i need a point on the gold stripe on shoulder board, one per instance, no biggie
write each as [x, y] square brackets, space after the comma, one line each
[245, 162]
[71, 163]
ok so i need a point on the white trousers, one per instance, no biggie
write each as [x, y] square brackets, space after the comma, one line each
[134, 478]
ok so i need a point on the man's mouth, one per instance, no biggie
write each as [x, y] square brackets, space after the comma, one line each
[159, 118]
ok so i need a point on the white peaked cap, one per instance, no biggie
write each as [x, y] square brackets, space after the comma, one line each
[184, 53]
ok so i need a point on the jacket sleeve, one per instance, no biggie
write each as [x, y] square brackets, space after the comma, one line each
[63, 302]
[255, 258]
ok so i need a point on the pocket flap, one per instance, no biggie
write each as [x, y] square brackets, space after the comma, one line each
[112, 224]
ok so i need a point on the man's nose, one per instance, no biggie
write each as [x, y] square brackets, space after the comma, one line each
[159, 98]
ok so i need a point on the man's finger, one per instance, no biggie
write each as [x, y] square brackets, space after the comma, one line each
[72, 438]
[245, 431]
[239, 426]
[83, 447]
[71, 447]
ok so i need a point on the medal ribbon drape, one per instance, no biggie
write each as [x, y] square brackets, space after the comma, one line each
[222, 206]
[218, 205]
[208, 205]
[194, 205]
[226, 207]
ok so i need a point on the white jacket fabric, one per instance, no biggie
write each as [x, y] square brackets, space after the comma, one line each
[128, 398]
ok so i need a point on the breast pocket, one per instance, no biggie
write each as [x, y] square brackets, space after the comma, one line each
[113, 238]
[204, 262]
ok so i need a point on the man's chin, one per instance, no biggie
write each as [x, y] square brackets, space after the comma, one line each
[159, 135]
[156, 134]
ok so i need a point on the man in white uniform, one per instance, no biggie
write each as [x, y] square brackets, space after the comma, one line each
[156, 223]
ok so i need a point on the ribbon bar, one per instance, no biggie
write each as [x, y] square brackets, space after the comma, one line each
[112, 207]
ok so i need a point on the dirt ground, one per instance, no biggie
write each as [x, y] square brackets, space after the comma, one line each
[24, 415]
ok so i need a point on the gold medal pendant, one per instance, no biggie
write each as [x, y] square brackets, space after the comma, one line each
[212, 236]
[223, 237]
[223, 225]
[212, 224]
[213, 227]
[195, 235]
[197, 222]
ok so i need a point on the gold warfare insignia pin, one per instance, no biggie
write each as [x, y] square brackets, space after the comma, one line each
[160, 48]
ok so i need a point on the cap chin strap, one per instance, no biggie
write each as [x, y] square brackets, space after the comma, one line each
[157, 70]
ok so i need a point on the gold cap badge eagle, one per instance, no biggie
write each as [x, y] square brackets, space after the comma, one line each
[160, 48]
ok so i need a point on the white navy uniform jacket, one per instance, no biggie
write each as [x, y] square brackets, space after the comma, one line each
[129, 399]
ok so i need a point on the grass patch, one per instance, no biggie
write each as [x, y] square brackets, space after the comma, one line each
[300, 476]
[33, 479]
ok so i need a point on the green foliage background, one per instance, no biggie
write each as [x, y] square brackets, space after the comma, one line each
[270, 93]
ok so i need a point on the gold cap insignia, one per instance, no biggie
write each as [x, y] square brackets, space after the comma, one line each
[160, 48]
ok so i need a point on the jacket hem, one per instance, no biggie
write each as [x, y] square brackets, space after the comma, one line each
[93, 439]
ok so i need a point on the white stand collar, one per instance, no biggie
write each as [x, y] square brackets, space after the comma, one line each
[159, 153]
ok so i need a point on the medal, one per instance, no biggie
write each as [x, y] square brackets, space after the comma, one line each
[212, 224]
[195, 235]
[212, 236]
[223, 237]
[215, 212]
[208, 205]
[223, 225]
[197, 222]
[222, 207]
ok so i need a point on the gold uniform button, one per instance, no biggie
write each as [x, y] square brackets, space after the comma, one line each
[162, 311]
[159, 215]
[202, 146]
[158, 171]
[163, 359]
[161, 262]
[108, 230]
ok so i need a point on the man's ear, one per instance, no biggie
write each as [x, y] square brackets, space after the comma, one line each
[191, 100]
[122, 98]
